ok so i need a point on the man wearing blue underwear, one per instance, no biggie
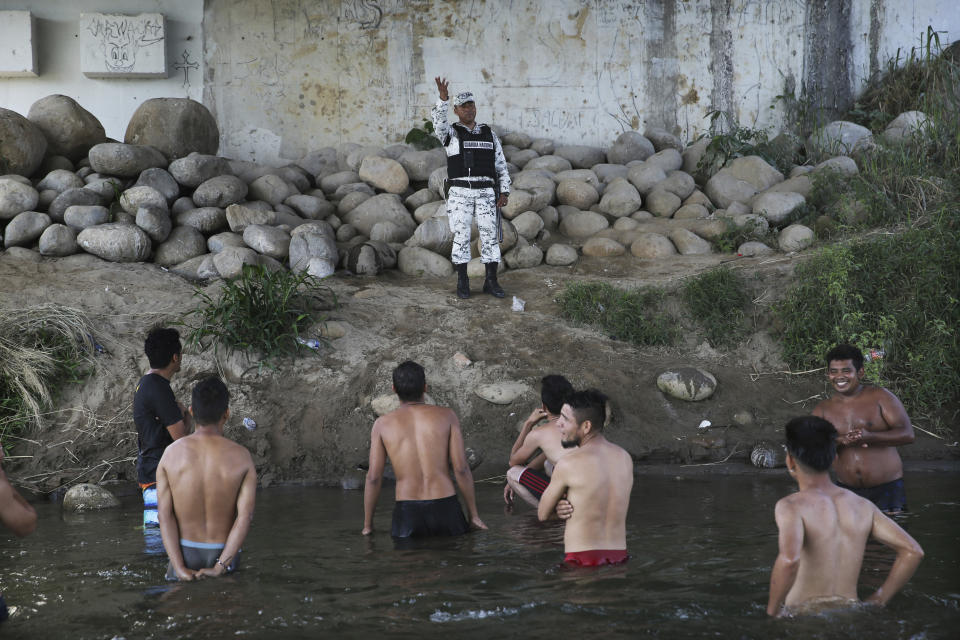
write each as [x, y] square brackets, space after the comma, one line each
[206, 489]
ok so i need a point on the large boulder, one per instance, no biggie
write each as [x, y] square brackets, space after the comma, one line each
[668, 159]
[577, 193]
[70, 129]
[58, 240]
[629, 146]
[240, 217]
[386, 207]
[561, 255]
[687, 383]
[220, 191]
[270, 188]
[69, 198]
[839, 138]
[724, 188]
[662, 203]
[206, 220]
[162, 181]
[580, 156]
[528, 224]
[417, 261]
[646, 176]
[124, 160]
[25, 228]
[907, 126]
[679, 183]
[434, 234]
[268, 241]
[174, 126]
[777, 206]
[523, 255]
[197, 168]
[553, 163]
[315, 248]
[650, 246]
[135, 197]
[22, 144]
[662, 139]
[156, 222]
[16, 197]
[600, 247]
[80, 216]
[182, 244]
[309, 207]
[688, 243]
[88, 497]
[583, 224]
[755, 170]
[116, 242]
[795, 237]
[60, 180]
[419, 165]
[384, 173]
[229, 262]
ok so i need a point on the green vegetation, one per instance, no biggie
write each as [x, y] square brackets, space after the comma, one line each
[41, 349]
[260, 310]
[729, 140]
[716, 300]
[422, 137]
[632, 316]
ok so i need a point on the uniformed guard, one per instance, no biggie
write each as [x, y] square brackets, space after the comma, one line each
[479, 185]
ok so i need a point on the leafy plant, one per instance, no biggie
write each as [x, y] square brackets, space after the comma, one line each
[729, 140]
[422, 137]
[632, 316]
[716, 299]
[260, 310]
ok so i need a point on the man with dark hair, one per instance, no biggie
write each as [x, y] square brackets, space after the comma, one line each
[824, 530]
[871, 422]
[596, 479]
[206, 490]
[529, 481]
[16, 514]
[422, 442]
[159, 418]
[479, 184]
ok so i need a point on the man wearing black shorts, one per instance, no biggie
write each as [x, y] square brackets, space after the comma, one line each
[160, 419]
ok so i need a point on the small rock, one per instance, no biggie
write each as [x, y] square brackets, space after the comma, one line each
[88, 497]
[662, 203]
[688, 243]
[523, 255]
[25, 228]
[116, 242]
[629, 146]
[753, 249]
[603, 247]
[776, 206]
[240, 217]
[156, 222]
[58, 240]
[136, 197]
[267, 240]
[687, 383]
[15, 198]
[60, 180]
[229, 262]
[384, 173]
[461, 360]
[182, 244]
[124, 160]
[767, 455]
[80, 216]
[561, 255]
[650, 246]
[795, 238]
[502, 393]
[197, 168]
[667, 159]
[583, 224]
[269, 188]
[645, 177]
[206, 220]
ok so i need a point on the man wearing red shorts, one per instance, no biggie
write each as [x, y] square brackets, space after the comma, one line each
[596, 479]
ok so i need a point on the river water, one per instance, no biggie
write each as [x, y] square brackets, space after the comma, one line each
[701, 548]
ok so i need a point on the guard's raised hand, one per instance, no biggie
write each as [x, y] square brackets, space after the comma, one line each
[442, 87]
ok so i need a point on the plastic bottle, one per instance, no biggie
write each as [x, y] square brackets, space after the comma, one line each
[312, 343]
[249, 424]
[874, 354]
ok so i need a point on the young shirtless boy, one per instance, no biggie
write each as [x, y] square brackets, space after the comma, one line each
[823, 532]
[529, 481]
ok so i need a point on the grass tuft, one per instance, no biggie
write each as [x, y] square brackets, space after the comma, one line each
[631, 316]
[716, 299]
[260, 310]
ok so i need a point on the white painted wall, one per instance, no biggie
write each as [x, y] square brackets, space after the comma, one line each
[113, 101]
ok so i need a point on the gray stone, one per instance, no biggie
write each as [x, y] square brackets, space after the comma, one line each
[70, 130]
[162, 181]
[663, 139]
[60, 180]
[124, 160]
[220, 241]
[528, 224]
[346, 189]
[600, 247]
[581, 156]
[577, 194]
[346, 232]
[356, 157]
[270, 188]
[688, 243]
[116, 242]
[240, 217]
[679, 183]
[385, 174]
[386, 207]
[69, 198]
[417, 261]
[698, 197]
[842, 165]
[909, 125]
[81, 216]
[351, 201]
[155, 222]
[777, 206]
[628, 146]
[46, 197]
[687, 383]
[107, 189]
[583, 224]
[312, 245]
[364, 260]
[25, 228]
[650, 246]
[518, 139]
[838, 138]
[88, 497]
[691, 212]
[419, 198]
[174, 126]
[58, 240]
[22, 144]
[206, 220]
[553, 163]
[230, 261]
[310, 207]
[523, 255]
[645, 177]
[197, 168]
[266, 240]
[550, 217]
[319, 162]
[724, 188]
[430, 210]
[434, 234]
[197, 268]
[332, 182]
[667, 159]
[755, 170]
[625, 224]
[419, 165]
[135, 197]
[662, 203]
[510, 236]
[182, 244]
[543, 146]
[795, 238]
[503, 393]
[753, 248]
[435, 182]
[583, 175]
[608, 172]
[389, 232]
[561, 255]
[692, 155]
[751, 222]
[768, 455]
[518, 202]
[522, 156]
[16, 197]
[798, 184]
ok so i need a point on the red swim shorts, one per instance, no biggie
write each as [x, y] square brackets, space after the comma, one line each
[596, 557]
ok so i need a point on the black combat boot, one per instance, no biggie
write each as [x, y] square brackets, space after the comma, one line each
[490, 285]
[463, 282]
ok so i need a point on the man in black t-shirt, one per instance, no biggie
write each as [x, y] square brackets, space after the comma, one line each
[160, 419]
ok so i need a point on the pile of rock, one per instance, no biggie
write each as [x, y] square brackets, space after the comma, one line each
[163, 195]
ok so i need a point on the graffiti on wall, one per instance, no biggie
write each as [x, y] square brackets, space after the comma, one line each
[118, 45]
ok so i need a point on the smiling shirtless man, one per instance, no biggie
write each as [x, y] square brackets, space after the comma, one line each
[871, 423]
[596, 479]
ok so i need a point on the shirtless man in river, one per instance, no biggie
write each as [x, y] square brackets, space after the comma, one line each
[16, 514]
[529, 481]
[423, 442]
[596, 479]
[871, 422]
[206, 489]
[823, 532]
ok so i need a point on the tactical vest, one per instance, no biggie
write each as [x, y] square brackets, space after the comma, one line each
[476, 154]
